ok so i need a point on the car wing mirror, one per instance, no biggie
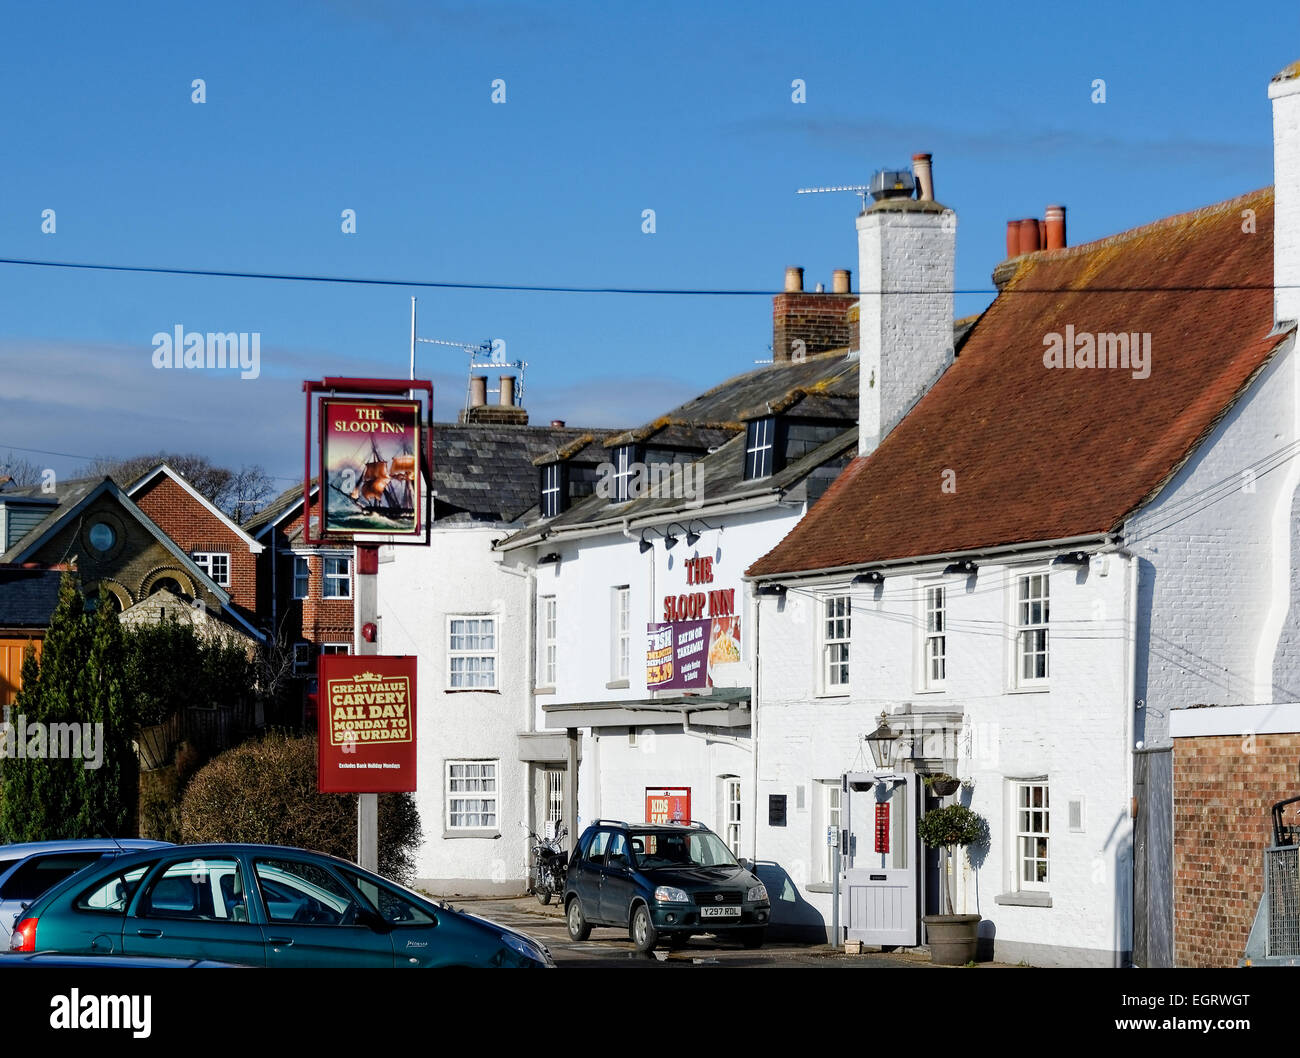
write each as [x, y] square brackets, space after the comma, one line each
[375, 922]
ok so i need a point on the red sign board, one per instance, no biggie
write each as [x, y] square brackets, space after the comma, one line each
[882, 826]
[366, 724]
[668, 804]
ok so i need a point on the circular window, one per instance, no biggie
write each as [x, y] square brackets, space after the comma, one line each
[101, 536]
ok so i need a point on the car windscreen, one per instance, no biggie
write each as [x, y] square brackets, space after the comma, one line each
[653, 849]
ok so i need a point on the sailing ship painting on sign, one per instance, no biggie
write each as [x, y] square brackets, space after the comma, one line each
[370, 458]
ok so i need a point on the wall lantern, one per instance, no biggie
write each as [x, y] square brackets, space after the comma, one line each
[881, 742]
[874, 577]
[554, 556]
[670, 539]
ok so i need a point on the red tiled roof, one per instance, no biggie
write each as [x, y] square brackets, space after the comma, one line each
[1044, 454]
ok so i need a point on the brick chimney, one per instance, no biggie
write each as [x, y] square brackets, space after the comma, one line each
[1284, 91]
[906, 245]
[820, 321]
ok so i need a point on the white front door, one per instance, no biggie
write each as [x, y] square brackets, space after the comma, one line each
[881, 870]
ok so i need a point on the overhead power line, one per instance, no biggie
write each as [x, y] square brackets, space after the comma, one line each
[529, 288]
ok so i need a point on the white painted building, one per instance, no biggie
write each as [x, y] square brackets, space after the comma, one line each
[466, 618]
[1036, 565]
[610, 561]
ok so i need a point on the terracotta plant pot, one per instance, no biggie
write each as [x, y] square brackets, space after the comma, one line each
[953, 938]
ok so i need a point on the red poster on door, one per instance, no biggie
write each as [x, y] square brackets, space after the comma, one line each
[668, 804]
[882, 826]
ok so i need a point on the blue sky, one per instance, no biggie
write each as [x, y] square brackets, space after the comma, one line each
[385, 108]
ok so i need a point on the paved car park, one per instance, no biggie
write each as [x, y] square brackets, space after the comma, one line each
[613, 948]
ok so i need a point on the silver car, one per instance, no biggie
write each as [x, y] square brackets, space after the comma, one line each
[28, 870]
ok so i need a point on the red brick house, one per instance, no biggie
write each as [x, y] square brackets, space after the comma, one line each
[305, 592]
[216, 544]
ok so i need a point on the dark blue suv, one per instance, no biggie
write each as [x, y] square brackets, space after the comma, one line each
[662, 881]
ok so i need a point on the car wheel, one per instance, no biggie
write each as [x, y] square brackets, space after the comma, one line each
[644, 934]
[579, 927]
[752, 938]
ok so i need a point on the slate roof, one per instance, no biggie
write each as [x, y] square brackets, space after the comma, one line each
[1042, 454]
[486, 471]
[68, 495]
[829, 379]
[28, 596]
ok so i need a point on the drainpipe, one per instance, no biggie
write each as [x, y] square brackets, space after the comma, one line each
[1130, 689]
[730, 740]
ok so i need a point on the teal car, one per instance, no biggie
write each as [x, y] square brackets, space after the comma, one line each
[260, 905]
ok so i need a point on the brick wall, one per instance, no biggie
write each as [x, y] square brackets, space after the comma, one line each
[315, 619]
[1224, 787]
[821, 321]
[194, 528]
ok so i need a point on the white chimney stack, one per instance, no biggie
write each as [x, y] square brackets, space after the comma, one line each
[1284, 90]
[906, 269]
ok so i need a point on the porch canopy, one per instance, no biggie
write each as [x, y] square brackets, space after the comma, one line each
[725, 707]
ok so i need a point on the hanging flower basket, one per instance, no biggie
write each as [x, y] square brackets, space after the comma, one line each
[942, 785]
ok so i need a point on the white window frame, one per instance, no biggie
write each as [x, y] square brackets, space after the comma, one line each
[732, 809]
[624, 458]
[451, 796]
[335, 648]
[554, 794]
[207, 561]
[834, 608]
[831, 808]
[552, 490]
[620, 632]
[1021, 828]
[547, 647]
[328, 578]
[760, 456]
[494, 653]
[1025, 630]
[304, 577]
[932, 636]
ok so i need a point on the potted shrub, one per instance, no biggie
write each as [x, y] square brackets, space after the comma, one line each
[953, 938]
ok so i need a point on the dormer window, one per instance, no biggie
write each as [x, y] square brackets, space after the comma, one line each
[624, 467]
[760, 447]
[554, 492]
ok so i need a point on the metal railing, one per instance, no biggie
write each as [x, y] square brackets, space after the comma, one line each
[1282, 890]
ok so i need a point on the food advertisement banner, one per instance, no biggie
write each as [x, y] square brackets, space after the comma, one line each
[668, 804]
[366, 724]
[681, 655]
[370, 457]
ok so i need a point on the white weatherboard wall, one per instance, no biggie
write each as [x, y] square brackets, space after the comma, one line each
[458, 574]
[613, 776]
[1073, 734]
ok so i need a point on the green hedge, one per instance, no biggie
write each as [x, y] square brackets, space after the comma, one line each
[264, 792]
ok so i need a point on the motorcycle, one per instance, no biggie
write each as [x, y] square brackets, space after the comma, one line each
[550, 864]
